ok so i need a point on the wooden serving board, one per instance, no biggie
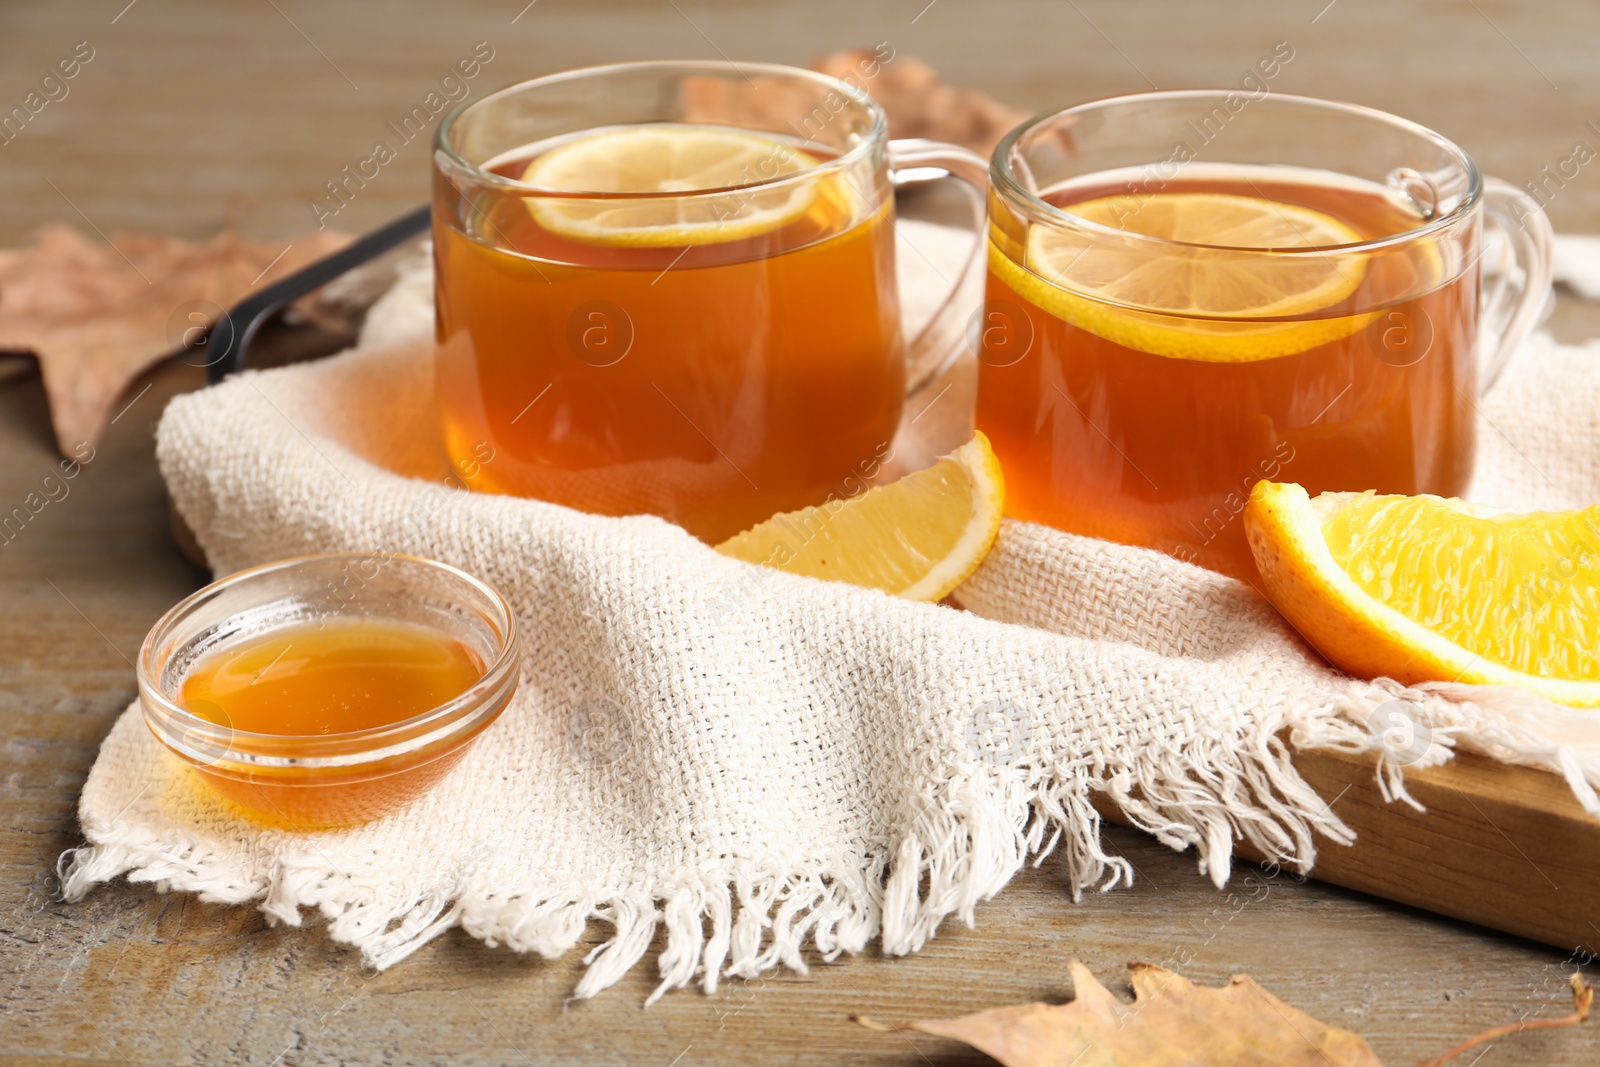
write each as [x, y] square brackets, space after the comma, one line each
[1505, 847]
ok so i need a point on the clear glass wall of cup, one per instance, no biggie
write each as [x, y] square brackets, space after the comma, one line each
[1192, 291]
[712, 355]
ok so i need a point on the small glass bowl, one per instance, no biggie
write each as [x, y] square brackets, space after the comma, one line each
[326, 780]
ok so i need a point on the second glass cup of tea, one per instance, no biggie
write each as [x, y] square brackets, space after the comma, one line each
[1192, 291]
[670, 288]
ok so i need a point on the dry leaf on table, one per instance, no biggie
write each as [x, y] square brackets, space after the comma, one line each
[919, 102]
[97, 316]
[1174, 1023]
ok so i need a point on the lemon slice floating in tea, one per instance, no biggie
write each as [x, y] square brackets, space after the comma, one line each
[916, 538]
[1214, 272]
[1423, 588]
[666, 159]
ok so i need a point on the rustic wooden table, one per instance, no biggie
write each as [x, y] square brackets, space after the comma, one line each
[189, 113]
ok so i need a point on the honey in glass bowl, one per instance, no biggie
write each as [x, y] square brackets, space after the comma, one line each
[332, 677]
[329, 690]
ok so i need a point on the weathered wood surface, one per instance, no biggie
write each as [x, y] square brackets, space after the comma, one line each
[189, 109]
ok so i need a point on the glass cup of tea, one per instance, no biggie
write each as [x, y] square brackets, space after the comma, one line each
[669, 288]
[1192, 291]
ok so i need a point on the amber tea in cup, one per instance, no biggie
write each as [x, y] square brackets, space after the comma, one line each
[669, 288]
[1184, 299]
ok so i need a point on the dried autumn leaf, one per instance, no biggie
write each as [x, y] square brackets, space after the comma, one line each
[1171, 1021]
[1174, 1023]
[98, 315]
[919, 102]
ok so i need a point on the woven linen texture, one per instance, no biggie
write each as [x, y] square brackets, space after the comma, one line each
[766, 765]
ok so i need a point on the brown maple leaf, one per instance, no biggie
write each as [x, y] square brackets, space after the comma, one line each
[1174, 1022]
[98, 315]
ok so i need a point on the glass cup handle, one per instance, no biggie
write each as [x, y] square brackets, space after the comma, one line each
[914, 160]
[1517, 281]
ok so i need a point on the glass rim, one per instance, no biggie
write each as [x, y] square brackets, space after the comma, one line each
[876, 135]
[350, 749]
[1003, 179]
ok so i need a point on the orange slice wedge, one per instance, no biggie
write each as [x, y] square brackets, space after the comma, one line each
[1423, 588]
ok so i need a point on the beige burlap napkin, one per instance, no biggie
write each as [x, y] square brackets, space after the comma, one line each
[759, 763]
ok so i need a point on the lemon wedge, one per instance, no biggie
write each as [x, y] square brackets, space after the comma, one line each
[664, 159]
[1424, 588]
[1190, 296]
[916, 538]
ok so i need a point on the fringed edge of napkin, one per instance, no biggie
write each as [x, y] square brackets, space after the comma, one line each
[965, 844]
[741, 918]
